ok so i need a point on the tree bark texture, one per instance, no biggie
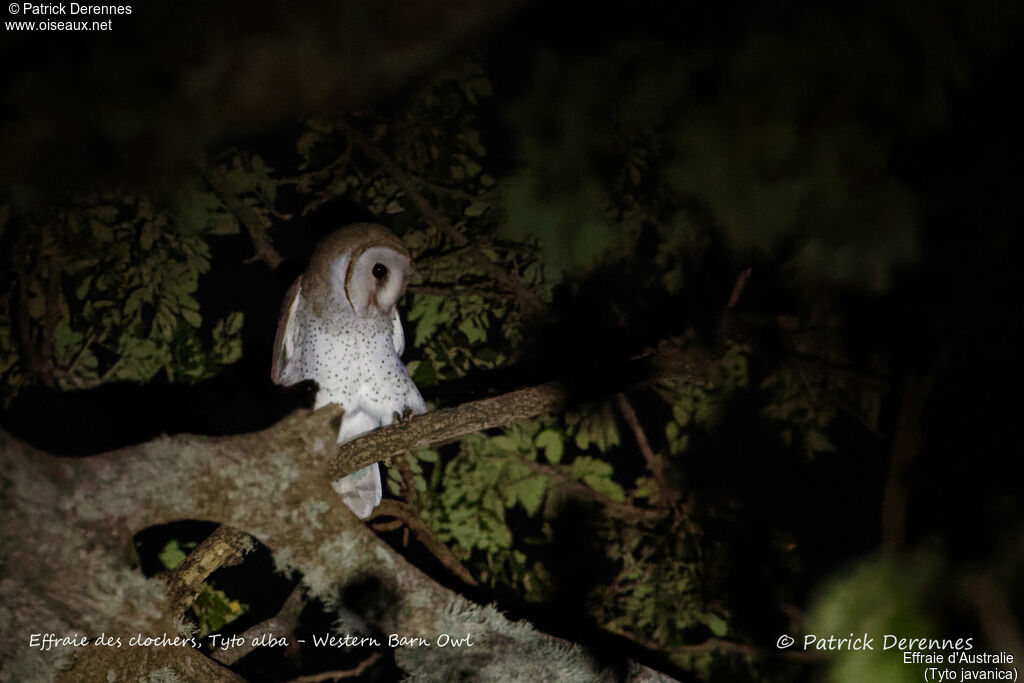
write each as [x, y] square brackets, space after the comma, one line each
[68, 556]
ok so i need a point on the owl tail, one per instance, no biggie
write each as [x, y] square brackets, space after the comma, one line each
[361, 491]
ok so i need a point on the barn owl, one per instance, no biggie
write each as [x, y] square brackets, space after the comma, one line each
[339, 326]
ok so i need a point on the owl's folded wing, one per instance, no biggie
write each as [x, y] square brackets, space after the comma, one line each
[283, 369]
[397, 334]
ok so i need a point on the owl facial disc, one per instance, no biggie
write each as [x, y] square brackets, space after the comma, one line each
[374, 280]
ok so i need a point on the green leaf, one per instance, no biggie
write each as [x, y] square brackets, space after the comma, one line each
[101, 232]
[550, 441]
[605, 486]
[599, 429]
[83, 288]
[504, 443]
[426, 311]
[215, 610]
[474, 333]
[815, 441]
[597, 475]
[530, 492]
[477, 208]
[424, 374]
[715, 623]
[305, 143]
[66, 339]
[191, 317]
[172, 555]
[645, 487]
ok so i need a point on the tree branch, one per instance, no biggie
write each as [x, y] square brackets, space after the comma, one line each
[255, 224]
[408, 516]
[443, 425]
[654, 464]
[583, 491]
[223, 548]
[329, 676]
[906, 446]
[79, 514]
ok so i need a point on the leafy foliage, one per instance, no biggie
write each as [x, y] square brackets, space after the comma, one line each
[766, 153]
[914, 588]
[103, 289]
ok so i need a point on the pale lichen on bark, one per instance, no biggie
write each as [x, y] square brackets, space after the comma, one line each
[67, 528]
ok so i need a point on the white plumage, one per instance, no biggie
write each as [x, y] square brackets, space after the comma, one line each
[340, 327]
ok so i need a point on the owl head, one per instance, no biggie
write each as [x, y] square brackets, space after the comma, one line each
[363, 264]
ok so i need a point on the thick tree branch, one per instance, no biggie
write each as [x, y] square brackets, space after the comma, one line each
[67, 523]
[223, 548]
[443, 425]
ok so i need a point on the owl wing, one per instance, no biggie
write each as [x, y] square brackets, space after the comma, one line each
[283, 370]
[397, 334]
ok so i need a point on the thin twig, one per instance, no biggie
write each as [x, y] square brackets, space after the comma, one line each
[337, 675]
[580, 489]
[456, 290]
[51, 319]
[409, 491]
[387, 526]
[445, 556]
[737, 289]
[654, 463]
[255, 224]
[73, 366]
[441, 189]
[28, 349]
[906, 445]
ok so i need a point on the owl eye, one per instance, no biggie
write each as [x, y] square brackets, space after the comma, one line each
[380, 271]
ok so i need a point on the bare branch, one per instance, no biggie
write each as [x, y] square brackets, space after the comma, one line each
[906, 446]
[254, 223]
[443, 425]
[654, 463]
[329, 676]
[737, 289]
[394, 508]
